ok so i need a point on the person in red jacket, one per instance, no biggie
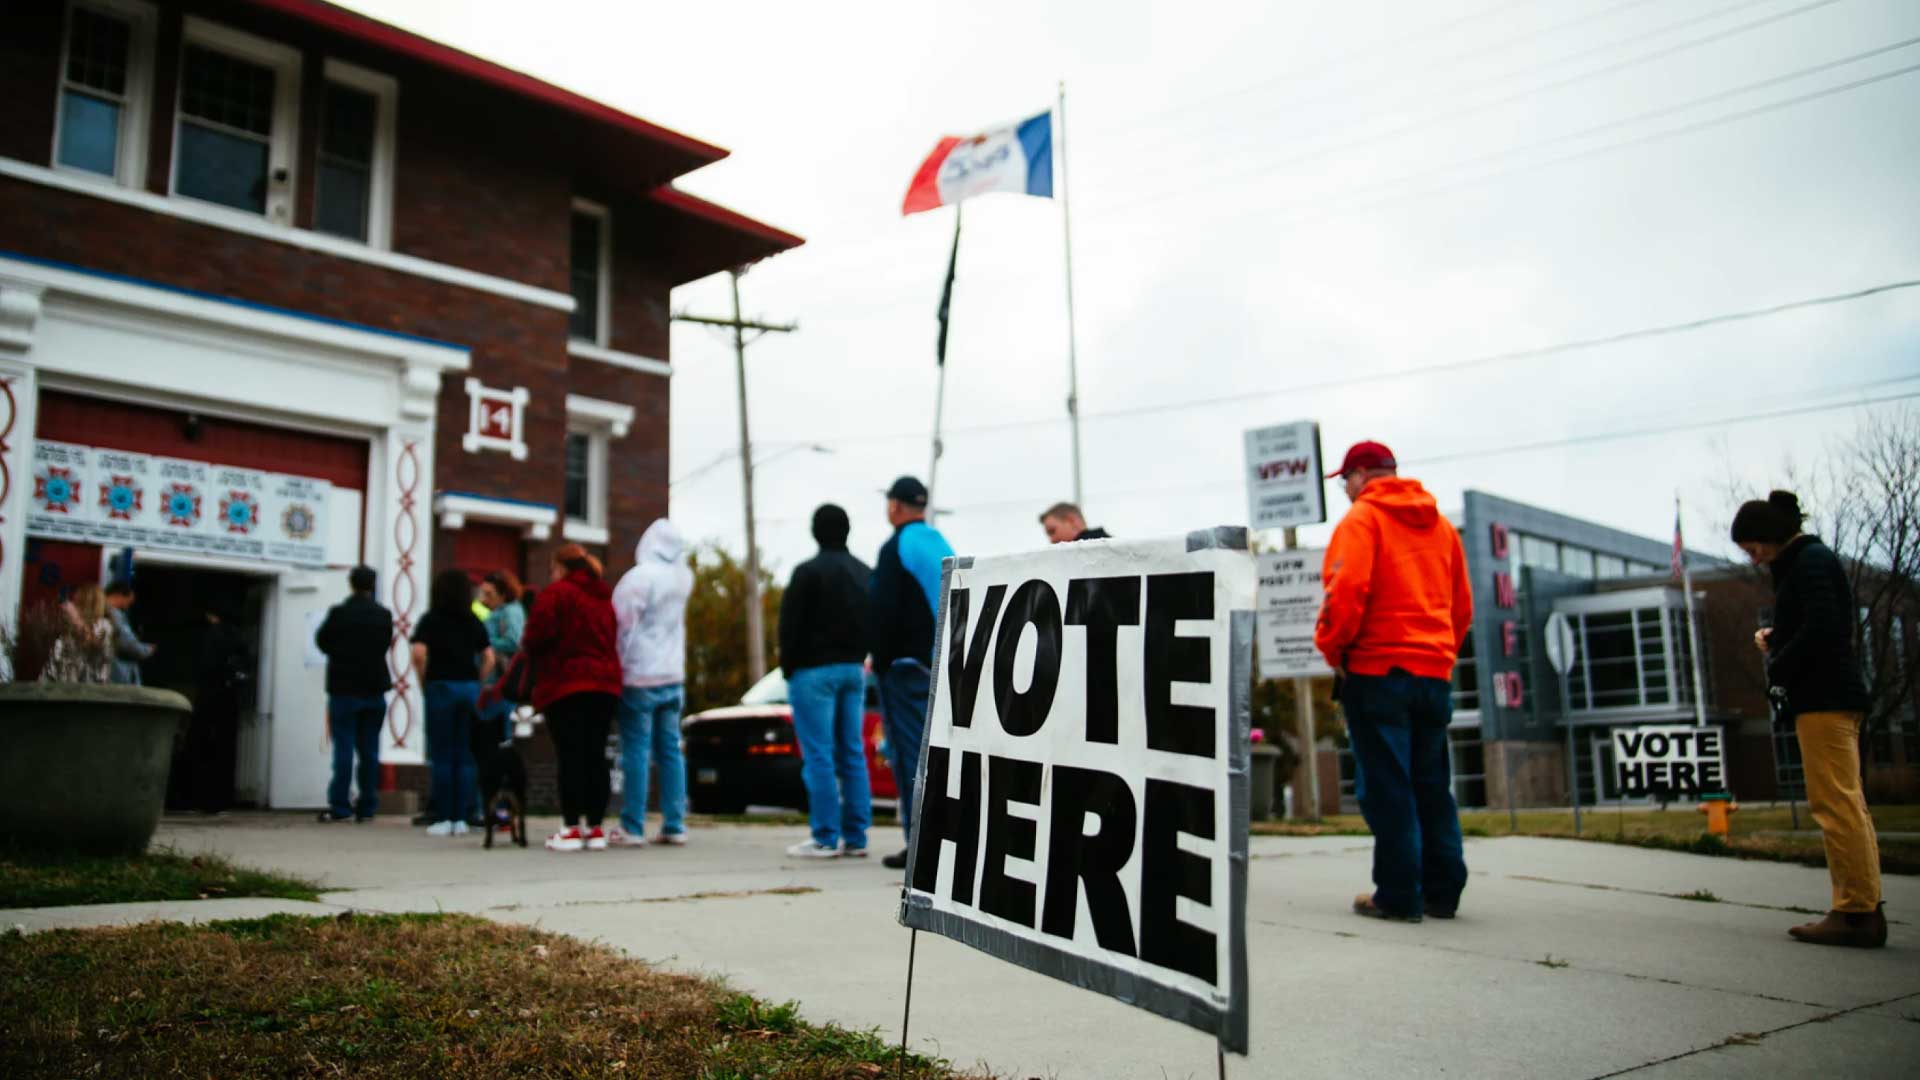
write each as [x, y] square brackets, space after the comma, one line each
[570, 639]
[1398, 606]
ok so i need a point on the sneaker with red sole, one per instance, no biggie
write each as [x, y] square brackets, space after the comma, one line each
[596, 839]
[567, 839]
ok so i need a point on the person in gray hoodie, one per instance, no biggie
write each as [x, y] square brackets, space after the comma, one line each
[650, 604]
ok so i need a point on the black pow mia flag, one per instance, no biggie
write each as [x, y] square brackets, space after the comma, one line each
[1082, 800]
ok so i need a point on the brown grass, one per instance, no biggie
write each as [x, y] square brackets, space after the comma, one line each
[392, 996]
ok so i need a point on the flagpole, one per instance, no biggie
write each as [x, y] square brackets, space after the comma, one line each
[1693, 626]
[1073, 361]
[940, 355]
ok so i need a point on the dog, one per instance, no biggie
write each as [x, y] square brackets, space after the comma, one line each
[503, 782]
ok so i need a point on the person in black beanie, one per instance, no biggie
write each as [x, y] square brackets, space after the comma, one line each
[1813, 676]
[823, 639]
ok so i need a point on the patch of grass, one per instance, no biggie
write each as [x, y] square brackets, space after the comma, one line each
[389, 997]
[1701, 895]
[33, 879]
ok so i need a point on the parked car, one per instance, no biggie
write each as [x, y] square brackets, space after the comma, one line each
[746, 754]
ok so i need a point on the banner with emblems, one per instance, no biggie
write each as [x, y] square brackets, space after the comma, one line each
[120, 499]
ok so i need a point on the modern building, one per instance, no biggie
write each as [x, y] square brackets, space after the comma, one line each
[284, 289]
[1631, 664]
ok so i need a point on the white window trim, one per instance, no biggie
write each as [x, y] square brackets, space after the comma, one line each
[601, 422]
[219, 217]
[130, 158]
[386, 91]
[603, 332]
[516, 398]
[284, 142]
[630, 361]
[456, 509]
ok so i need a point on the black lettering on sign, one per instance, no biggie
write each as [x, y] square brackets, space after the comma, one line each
[1683, 776]
[1009, 780]
[1680, 741]
[1168, 873]
[1177, 729]
[1710, 778]
[1023, 712]
[1658, 776]
[1633, 778]
[1103, 606]
[965, 661]
[1710, 744]
[1075, 858]
[947, 819]
[1657, 745]
[1630, 743]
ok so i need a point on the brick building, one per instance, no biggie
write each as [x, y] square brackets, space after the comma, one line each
[284, 289]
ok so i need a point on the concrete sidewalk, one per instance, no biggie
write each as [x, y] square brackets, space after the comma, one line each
[1569, 959]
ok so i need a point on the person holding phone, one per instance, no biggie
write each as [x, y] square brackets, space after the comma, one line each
[1813, 679]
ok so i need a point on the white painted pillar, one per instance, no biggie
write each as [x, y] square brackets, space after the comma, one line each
[19, 402]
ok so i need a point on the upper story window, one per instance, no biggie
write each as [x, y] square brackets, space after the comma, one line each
[592, 256]
[234, 133]
[578, 472]
[353, 178]
[1609, 567]
[105, 75]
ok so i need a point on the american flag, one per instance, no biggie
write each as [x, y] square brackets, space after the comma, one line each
[1679, 546]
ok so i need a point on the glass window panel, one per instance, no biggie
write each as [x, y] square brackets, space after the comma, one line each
[223, 168]
[227, 90]
[97, 50]
[1607, 651]
[1543, 554]
[1608, 567]
[1466, 675]
[351, 116]
[578, 468]
[1576, 561]
[341, 200]
[89, 133]
[586, 276]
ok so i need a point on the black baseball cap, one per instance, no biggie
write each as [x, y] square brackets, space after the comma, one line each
[908, 490]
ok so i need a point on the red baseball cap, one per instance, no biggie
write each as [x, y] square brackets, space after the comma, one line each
[1365, 455]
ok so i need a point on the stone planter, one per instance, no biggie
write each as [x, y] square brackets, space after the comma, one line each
[83, 766]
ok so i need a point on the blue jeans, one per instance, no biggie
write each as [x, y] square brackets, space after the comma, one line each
[452, 709]
[903, 702]
[354, 722]
[650, 728]
[1398, 726]
[829, 713]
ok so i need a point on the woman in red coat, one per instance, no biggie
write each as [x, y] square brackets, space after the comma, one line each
[570, 640]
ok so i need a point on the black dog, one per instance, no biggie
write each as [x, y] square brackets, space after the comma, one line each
[503, 782]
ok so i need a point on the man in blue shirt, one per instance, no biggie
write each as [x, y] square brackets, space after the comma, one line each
[902, 598]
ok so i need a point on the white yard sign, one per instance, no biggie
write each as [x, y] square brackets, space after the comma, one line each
[1669, 759]
[1081, 809]
[1290, 598]
[1284, 484]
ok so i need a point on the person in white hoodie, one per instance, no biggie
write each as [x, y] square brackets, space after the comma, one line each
[651, 605]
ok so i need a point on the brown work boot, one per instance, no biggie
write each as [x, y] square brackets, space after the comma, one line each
[1856, 930]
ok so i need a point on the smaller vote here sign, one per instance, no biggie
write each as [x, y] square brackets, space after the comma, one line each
[1675, 759]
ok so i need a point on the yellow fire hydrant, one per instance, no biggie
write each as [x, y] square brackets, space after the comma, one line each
[1719, 810]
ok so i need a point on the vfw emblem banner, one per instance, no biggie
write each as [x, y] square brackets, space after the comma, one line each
[119, 498]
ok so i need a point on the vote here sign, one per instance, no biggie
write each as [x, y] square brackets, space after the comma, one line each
[1082, 804]
[1673, 758]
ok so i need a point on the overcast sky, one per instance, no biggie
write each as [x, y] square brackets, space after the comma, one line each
[1268, 195]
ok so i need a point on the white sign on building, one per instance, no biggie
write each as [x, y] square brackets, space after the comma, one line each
[1081, 806]
[1285, 487]
[1289, 606]
[1668, 760]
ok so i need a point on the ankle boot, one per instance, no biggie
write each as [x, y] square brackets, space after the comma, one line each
[1857, 930]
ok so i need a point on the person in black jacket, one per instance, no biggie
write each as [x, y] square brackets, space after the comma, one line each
[221, 673]
[1065, 524]
[1813, 676]
[355, 637]
[902, 601]
[823, 639]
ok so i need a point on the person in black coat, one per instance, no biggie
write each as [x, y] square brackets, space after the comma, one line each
[823, 639]
[356, 636]
[221, 673]
[1813, 677]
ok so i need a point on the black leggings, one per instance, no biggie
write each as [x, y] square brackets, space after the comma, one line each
[578, 724]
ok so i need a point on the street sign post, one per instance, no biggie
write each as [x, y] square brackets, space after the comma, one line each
[1560, 649]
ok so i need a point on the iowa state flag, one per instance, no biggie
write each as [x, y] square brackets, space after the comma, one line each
[1016, 158]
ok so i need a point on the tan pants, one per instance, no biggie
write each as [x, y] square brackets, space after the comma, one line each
[1830, 750]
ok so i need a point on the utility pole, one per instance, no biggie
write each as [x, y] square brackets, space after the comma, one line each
[756, 633]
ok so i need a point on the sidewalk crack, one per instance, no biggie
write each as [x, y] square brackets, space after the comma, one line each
[1754, 1038]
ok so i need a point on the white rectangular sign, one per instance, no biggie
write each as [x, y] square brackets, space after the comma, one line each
[1284, 485]
[121, 499]
[1669, 760]
[1081, 806]
[1290, 599]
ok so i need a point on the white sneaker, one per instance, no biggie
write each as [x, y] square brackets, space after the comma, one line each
[569, 839]
[461, 828]
[619, 837]
[596, 840]
[807, 849]
[442, 828]
[672, 839]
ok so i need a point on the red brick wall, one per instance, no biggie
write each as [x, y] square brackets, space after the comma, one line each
[29, 78]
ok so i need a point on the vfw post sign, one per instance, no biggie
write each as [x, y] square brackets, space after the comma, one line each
[1082, 805]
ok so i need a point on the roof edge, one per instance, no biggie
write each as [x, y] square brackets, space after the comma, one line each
[676, 199]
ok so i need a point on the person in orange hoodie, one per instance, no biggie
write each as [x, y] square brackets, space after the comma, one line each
[1398, 605]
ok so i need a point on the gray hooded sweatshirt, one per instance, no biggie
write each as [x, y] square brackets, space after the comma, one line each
[650, 603]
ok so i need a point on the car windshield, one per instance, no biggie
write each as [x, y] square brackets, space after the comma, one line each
[770, 690]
